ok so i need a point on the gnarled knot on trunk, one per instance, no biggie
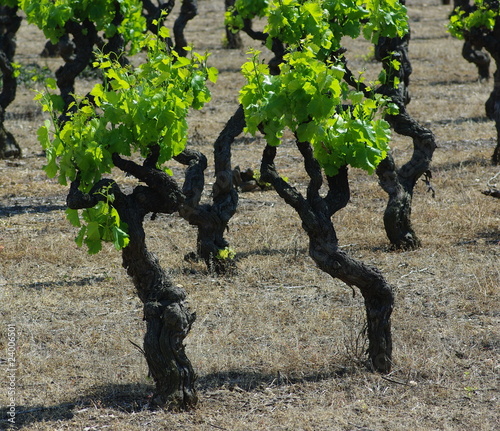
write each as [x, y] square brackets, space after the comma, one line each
[336, 265]
[176, 320]
[427, 141]
[223, 183]
[152, 310]
[178, 314]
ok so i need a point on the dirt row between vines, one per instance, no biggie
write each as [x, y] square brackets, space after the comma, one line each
[279, 345]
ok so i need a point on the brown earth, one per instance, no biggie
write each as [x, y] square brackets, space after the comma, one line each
[279, 345]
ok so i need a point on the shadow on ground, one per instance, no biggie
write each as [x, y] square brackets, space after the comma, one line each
[133, 398]
[13, 210]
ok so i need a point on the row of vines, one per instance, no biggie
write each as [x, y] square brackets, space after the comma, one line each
[339, 120]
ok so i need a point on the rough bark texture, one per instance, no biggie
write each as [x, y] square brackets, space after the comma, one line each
[316, 212]
[84, 38]
[153, 12]
[212, 220]
[479, 58]
[189, 9]
[490, 41]
[168, 318]
[399, 183]
[115, 45]
[9, 24]
[65, 48]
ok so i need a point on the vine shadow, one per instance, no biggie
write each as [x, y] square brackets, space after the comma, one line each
[80, 282]
[134, 397]
[250, 381]
[130, 398]
[462, 120]
[13, 210]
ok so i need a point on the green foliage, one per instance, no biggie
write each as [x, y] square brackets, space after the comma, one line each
[327, 21]
[226, 253]
[10, 3]
[32, 72]
[310, 96]
[245, 9]
[482, 16]
[132, 111]
[51, 16]
[101, 223]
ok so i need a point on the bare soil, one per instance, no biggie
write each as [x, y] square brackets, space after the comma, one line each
[279, 345]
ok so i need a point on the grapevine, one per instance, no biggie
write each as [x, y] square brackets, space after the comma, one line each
[481, 16]
[52, 16]
[478, 24]
[132, 111]
[310, 94]
[10, 22]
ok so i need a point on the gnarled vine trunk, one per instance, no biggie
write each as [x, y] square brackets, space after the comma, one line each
[471, 50]
[477, 57]
[158, 13]
[493, 108]
[491, 42]
[189, 9]
[399, 183]
[212, 219]
[84, 38]
[9, 24]
[168, 318]
[316, 212]
[476, 39]
[167, 315]
[233, 40]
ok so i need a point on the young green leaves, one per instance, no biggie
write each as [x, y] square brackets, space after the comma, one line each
[133, 110]
[51, 17]
[245, 9]
[310, 96]
[307, 98]
[100, 223]
[482, 16]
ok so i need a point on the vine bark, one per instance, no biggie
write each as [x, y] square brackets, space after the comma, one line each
[9, 25]
[399, 183]
[166, 312]
[212, 219]
[316, 212]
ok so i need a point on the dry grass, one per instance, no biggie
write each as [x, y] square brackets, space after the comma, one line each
[279, 345]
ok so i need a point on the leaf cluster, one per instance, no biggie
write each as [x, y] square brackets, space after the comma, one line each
[245, 9]
[482, 15]
[99, 223]
[325, 20]
[132, 111]
[51, 17]
[310, 95]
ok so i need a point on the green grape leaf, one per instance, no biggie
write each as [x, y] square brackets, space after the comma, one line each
[120, 238]
[73, 217]
[132, 110]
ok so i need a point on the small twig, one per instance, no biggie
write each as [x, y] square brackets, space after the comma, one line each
[395, 381]
[348, 245]
[360, 427]
[413, 271]
[489, 184]
[427, 181]
[216, 426]
[137, 347]
[492, 188]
